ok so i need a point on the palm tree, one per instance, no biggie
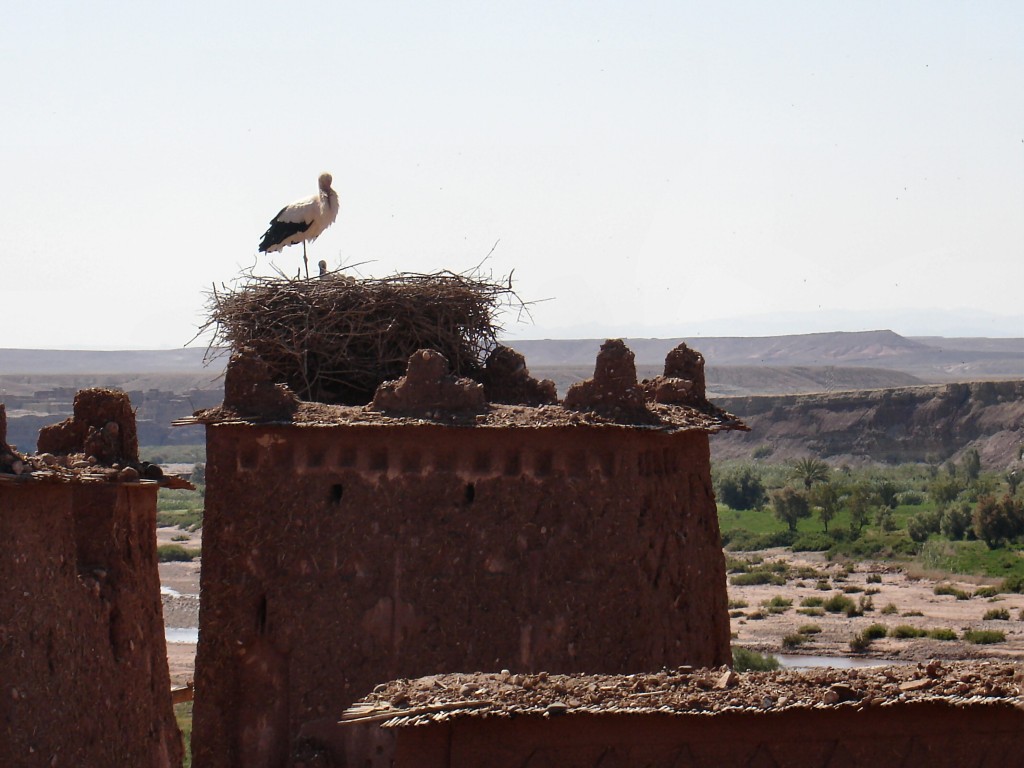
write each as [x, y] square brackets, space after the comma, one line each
[810, 471]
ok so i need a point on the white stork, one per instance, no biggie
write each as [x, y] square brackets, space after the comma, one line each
[302, 220]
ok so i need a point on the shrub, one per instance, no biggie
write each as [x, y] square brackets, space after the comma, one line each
[756, 577]
[941, 633]
[839, 603]
[906, 632]
[738, 603]
[984, 636]
[996, 614]
[175, 553]
[823, 585]
[812, 542]
[908, 614]
[986, 592]
[860, 643]
[1013, 583]
[875, 631]
[745, 660]
[809, 629]
[924, 524]
[874, 578]
[910, 498]
[956, 522]
[777, 604]
[852, 589]
[736, 614]
[864, 605]
[889, 609]
[763, 451]
[793, 641]
[820, 612]
[949, 589]
[812, 602]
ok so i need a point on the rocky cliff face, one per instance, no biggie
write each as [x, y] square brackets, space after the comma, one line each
[928, 423]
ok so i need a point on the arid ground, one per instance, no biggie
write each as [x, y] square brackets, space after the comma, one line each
[754, 625]
[897, 598]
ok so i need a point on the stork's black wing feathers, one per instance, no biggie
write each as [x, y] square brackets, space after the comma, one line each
[279, 231]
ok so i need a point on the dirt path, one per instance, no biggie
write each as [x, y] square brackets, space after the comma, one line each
[180, 596]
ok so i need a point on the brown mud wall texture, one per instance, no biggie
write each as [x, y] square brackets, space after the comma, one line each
[929, 734]
[339, 557]
[83, 662]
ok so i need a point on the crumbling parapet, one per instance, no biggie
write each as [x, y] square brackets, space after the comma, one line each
[250, 390]
[506, 379]
[614, 389]
[428, 387]
[683, 382]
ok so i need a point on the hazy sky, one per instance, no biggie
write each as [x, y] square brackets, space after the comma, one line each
[650, 168]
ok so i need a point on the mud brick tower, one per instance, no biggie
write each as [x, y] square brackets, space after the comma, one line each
[83, 659]
[436, 529]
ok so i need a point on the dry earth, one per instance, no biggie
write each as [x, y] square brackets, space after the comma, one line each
[180, 583]
[909, 594]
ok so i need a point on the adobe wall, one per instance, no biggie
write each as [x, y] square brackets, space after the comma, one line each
[933, 734]
[336, 557]
[83, 662]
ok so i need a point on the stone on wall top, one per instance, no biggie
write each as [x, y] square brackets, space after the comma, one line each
[507, 380]
[427, 387]
[614, 389]
[250, 390]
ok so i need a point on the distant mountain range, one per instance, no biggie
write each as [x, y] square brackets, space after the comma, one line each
[814, 362]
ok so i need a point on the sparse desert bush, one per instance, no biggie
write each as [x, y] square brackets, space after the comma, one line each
[874, 578]
[865, 604]
[986, 592]
[175, 553]
[751, 578]
[738, 603]
[1014, 583]
[777, 604]
[852, 589]
[823, 585]
[745, 660]
[906, 632]
[793, 641]
[812, 542]
[949, 589]
[809, 629]
[812, 602]
[890, 608]
[909, 614]
[996, 614]
[815, 611]
[860, 643]
[984, 636]
[736, 614]
[941, 633]
[875, 631]
[840, 603]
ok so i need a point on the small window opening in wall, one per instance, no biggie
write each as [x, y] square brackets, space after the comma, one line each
[470, 493]
[336, 493]
[261, 616]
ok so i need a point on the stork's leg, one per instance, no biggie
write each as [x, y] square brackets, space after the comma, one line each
[305, 261]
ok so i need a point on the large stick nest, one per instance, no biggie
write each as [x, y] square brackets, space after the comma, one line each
[334, 338]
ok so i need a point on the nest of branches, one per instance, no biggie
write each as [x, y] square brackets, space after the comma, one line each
[334, 338]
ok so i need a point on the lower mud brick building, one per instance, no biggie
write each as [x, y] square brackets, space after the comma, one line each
[939, 715]
[438, 530]
[83, 660]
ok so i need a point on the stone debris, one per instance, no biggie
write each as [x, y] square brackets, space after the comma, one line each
[687, 691]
